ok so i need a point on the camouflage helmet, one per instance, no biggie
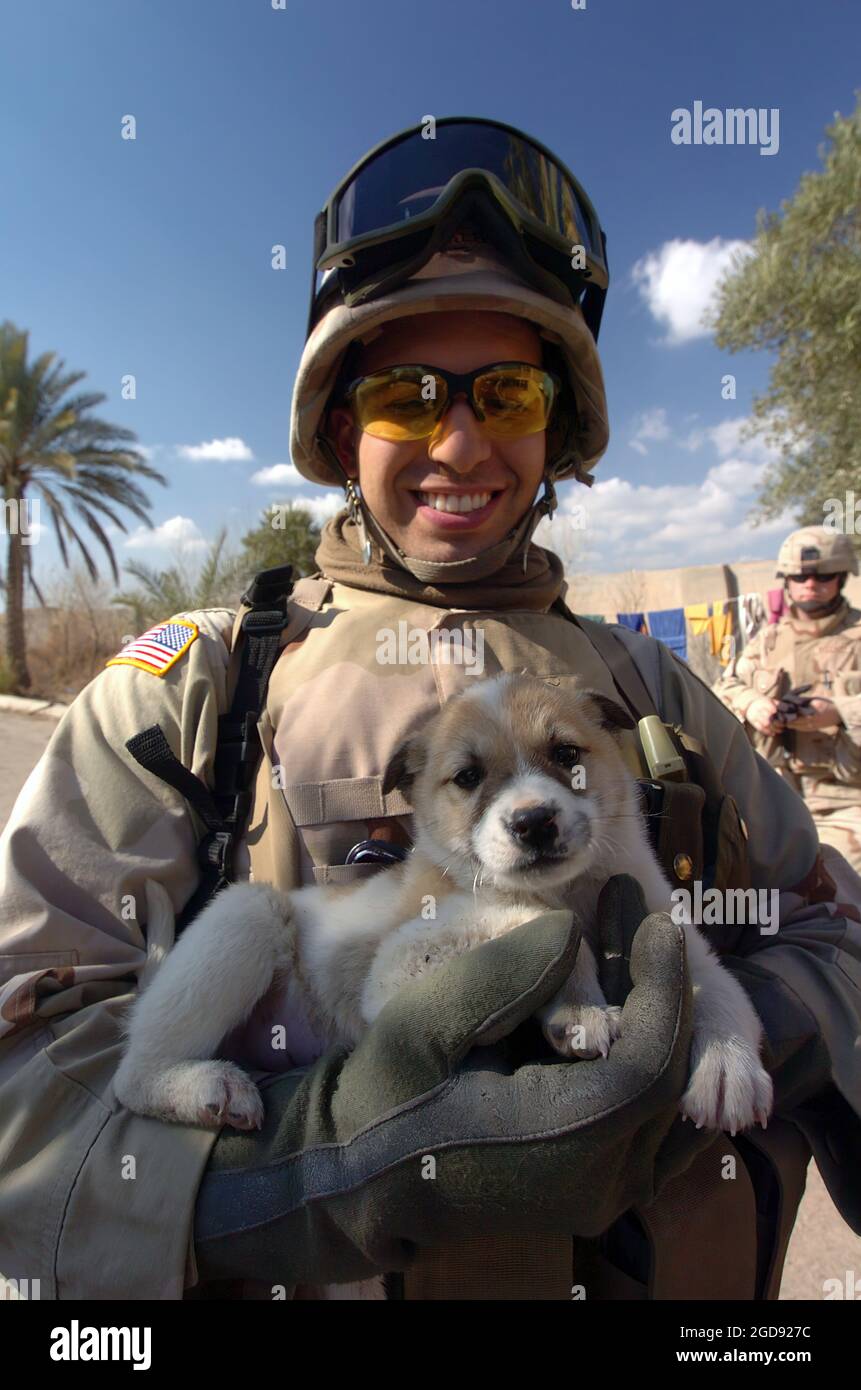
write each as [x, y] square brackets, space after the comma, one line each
[479, 281]
[472, 215]
[816, 550]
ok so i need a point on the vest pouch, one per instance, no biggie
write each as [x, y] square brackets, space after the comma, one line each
[845, 752]
[328, 874]
[770, 682]
[334, 816]
[680, 837]
[732, 866]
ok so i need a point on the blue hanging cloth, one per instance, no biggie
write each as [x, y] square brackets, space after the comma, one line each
[632, 620]
[669, 627]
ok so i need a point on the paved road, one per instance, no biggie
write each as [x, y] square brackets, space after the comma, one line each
[823, 1246]
[22, 738]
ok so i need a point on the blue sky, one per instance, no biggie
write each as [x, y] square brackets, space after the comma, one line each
[153, 256]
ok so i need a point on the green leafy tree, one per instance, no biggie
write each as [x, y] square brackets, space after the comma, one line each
[161, 594]
[286, 535]
[77, 464]
[798, 294]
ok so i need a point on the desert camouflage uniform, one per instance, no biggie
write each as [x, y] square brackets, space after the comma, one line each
[823, 765]
[98, 1202]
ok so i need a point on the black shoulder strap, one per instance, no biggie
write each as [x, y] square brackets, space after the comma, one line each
[701, 770]
[626, 677]
[225, 809]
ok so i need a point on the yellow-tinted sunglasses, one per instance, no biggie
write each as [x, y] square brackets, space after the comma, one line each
[510, 399]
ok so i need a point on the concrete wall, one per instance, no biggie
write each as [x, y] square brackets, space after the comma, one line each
[634, 591]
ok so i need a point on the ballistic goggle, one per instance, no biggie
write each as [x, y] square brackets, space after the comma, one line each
[408, 196]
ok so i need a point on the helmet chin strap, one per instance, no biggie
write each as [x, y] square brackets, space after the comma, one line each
[811, 609]
[479, 566]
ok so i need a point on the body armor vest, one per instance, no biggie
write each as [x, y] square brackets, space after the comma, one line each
[351, 680]
[818, 653]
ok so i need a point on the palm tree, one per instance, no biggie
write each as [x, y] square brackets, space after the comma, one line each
[162, 593]
[76, 462]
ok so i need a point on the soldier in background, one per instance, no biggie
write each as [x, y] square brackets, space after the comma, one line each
[817, 644]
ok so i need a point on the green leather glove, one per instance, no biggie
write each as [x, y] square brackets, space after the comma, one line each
[334, 1187]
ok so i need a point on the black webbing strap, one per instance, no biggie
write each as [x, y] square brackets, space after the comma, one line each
[238, 750]
[225, 809]
[626, 677]
[699, 766]
[151, 749]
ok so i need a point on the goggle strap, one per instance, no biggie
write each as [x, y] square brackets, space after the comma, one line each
[319, 237]
[503, 236]
[594, 299]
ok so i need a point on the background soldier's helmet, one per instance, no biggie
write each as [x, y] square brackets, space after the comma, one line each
[816, 550]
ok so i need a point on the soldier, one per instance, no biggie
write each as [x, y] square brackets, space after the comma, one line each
[815, 744]
[450, 370]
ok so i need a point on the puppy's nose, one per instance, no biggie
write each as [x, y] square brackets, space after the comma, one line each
[535, 827]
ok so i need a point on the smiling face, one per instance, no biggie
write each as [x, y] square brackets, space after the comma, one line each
[403, 483]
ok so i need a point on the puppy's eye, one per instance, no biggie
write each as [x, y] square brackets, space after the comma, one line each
[468, 777]
[566, 754]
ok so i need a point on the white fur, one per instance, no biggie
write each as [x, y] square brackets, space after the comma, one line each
[345, 952]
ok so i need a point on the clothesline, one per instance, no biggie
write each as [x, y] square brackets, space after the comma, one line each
[727, 622]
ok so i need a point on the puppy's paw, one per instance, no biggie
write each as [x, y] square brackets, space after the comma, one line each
[222, 1094]
[582, 1031]
[728, 1089]
[210, 1094]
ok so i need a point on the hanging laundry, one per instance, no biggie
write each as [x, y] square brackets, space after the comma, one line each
[634, 621]
[698, 615]
[732, 606]
[699, 644]
[723, 639]
[668, 626]
[776, 605]
[727, 651]
[721, 626]
[594, 617]
[752, 615]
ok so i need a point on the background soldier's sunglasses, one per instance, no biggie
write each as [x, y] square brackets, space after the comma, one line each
[510, 399]
[800, 578]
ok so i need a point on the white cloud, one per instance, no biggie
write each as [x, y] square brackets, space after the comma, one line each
[321, 506]
[177, 533]
[618, 525]
[652, 427]
[218, 451]
[671, 526]
[280, 475]
[727, 439]
[678, 282]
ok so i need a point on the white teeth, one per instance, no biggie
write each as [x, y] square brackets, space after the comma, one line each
[450, 502]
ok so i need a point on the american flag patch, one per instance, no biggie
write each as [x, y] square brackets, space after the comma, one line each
[159, 649]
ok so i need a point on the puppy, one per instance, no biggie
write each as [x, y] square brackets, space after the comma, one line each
[522, 802]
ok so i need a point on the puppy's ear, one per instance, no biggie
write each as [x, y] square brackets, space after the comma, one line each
[407, 760]
[611, 716]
